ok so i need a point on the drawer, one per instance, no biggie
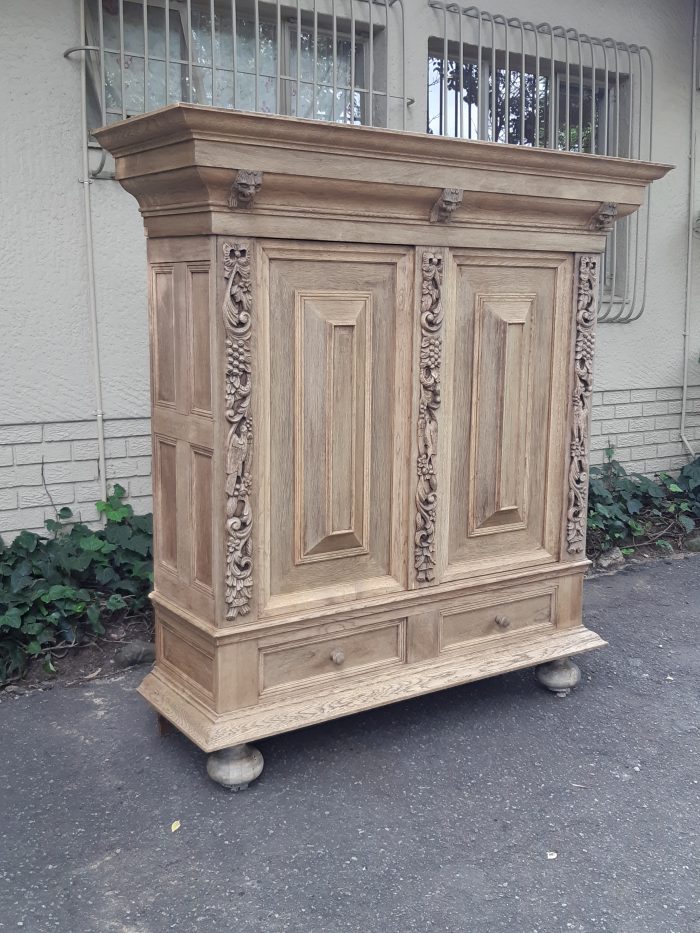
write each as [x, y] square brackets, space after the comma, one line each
[324, 656]
[461, 625]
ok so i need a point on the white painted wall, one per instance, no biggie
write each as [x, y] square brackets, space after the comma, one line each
[45, 356]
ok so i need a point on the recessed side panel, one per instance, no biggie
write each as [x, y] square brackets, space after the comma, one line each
[200, 369]
[332, 421]
[501, 412]
[163, 335]
[507, 409]
[201, 503]
[166, 501]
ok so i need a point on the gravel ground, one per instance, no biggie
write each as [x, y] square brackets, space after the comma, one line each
[486, 808]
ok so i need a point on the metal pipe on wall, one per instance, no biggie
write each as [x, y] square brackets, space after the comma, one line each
[691, 220]
[86, 181]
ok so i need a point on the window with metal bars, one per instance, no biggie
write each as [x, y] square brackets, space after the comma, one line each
[589, 112]
[247, 55]
[508, 80]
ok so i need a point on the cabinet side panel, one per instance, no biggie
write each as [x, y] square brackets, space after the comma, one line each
[183, 423]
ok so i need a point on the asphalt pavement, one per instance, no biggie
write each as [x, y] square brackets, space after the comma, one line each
[490, 808]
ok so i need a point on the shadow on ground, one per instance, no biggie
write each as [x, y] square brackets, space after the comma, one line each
[437, 814]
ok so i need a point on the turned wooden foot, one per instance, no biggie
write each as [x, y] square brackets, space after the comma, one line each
[559, 676]
[234, 768]
[164, 726]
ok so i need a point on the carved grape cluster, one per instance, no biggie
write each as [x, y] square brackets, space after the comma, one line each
[432, 352]
[585, 343]
[238, 357]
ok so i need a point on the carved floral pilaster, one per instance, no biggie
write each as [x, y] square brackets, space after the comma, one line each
[237, 310]
[431, 315]
[586, 311]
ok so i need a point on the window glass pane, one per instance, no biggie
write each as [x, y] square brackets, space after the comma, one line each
[345, 106]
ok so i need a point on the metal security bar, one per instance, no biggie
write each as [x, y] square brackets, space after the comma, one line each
[509, 80]
[335, 60]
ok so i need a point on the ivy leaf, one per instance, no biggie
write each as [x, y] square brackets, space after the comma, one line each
[634, 506]
[141, 544]
[20, 577]
[58, 592]
[28, 541]
[91, 543]
[115, 602]
[687, 522]
[12, 618]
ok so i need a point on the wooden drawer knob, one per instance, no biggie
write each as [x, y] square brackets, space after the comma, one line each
[337, 656]
[503, 622]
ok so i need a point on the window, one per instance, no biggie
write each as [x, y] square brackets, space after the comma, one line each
[156, 52]
[505, 80]
[525, 104]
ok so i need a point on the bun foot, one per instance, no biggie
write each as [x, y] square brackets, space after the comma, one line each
[236, 767]
[559, 676]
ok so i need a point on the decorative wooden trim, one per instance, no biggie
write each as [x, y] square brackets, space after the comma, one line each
[244, 189]
[211, 730]
[586, 311]
[446, 205]
[237, 309]
[605, 217]
[431, 315]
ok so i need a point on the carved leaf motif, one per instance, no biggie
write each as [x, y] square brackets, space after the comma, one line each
[586, 311]
[429, 401]
[238, 305]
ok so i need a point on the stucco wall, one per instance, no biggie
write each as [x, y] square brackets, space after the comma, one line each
[46, 371]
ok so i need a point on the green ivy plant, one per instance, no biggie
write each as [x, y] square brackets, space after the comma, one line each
[58, 590]
[632, 511]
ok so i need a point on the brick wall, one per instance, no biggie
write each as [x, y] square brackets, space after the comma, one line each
[69, 474]
[641, 424]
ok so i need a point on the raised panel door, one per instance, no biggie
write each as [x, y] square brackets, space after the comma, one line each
[507, 356]
[335, 350]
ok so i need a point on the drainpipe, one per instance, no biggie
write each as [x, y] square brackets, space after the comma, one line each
[90, 255]
[691, 220]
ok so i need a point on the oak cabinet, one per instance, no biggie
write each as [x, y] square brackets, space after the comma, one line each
[371, 360]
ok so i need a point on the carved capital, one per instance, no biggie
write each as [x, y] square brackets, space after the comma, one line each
[605, 217]
[446, 205]
[586, 311]
[431, 315]
[237, 310]
[244, 189]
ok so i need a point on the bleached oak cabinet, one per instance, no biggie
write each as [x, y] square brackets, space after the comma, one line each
[371, 359]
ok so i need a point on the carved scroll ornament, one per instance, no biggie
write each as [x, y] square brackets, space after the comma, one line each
[446, 205]
[237, 308]
[245, 188]
[586, 311]
[431, 314]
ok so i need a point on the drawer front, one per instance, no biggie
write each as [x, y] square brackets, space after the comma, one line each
[327, 657]
[460, 626]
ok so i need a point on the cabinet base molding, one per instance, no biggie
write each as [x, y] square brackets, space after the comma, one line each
[212, 731]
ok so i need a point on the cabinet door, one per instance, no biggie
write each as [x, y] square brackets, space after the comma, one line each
[335, 354]
[507, 358]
